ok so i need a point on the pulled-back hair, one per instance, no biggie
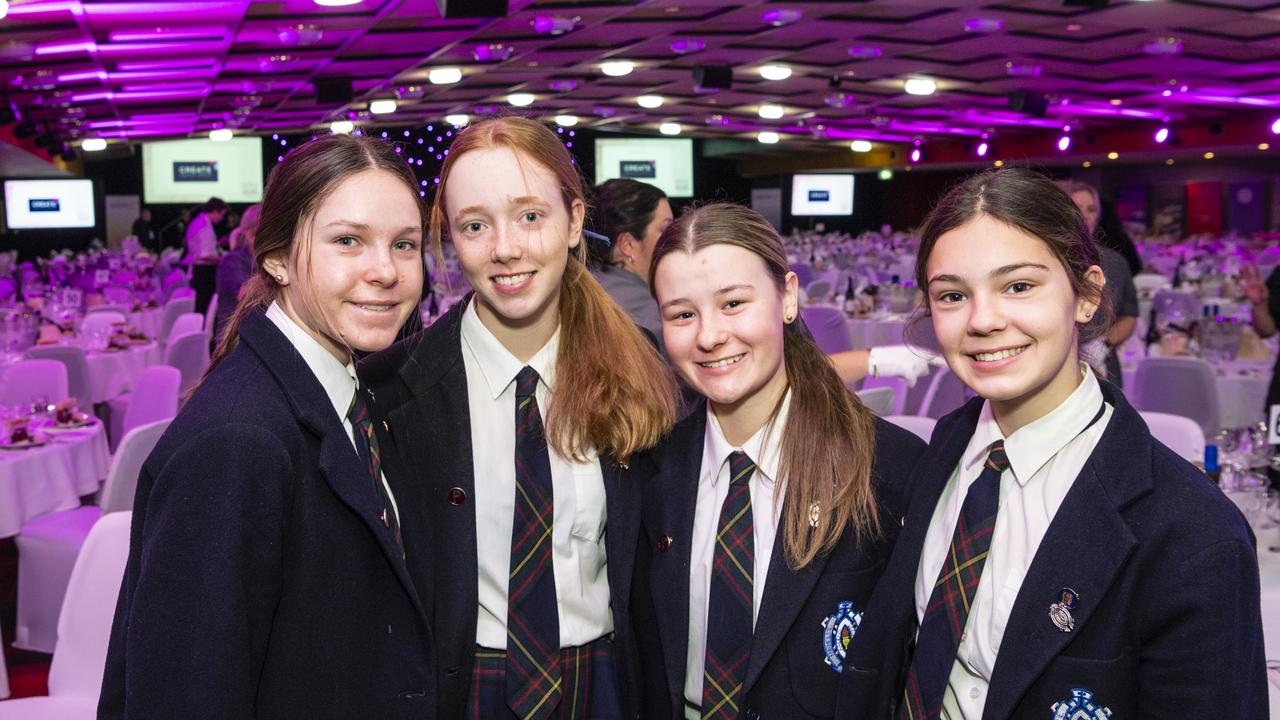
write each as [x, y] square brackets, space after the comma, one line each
[620, 205]
[828, 443]
[1028, 201]
[616, 393]
[294, 192]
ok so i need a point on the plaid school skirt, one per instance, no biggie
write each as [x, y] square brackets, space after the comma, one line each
[590, 684]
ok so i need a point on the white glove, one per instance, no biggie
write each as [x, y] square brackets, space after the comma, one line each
[901, 361]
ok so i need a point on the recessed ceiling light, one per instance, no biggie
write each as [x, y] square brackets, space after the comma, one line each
[669, 128]
[566, 120]
[444, 75]
[1264, 146]
[687, 46]
[920, 86]
[382, 107]
[650, 101]
[768, 137]
[96, 144]
[1161, 135]
[1064, 143]
[220, 135]
[775, 72]
[771, 112]
[983, 148]
[520, 99]
[1116, 101]
[1086, 164]
[860, 146]
[1113, 155]
[457, 119]
[998, 163]
[1275, 127]
[341, 127]
[617, 68]
[336, 3]
[1209, 155]
[885, 174]
[778, 18]
[1168, 161]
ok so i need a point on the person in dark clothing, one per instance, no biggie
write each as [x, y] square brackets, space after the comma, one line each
[1110, 233]
[145, 231]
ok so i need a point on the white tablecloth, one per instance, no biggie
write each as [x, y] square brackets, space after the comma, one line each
[114, 373]
[51, 478]
[147, 321]
[1242, 390]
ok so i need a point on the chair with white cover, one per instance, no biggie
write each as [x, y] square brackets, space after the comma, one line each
[173, 309]
[1180, 434]
[878, 400]
[921, 426]
[84, 628]
[818, 290]
[48, 545]
[119, 309]
[26, 379]
[1150, 282]
[190, 354]
[187, 323]
[1179, 386]
[77, 369]
[829, 328]
[210, 313]
[899, 386]
[946, 393]
[154, 397]
[100, 323]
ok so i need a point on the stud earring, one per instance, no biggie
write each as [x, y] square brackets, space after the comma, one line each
[788, 317]
[280, 279]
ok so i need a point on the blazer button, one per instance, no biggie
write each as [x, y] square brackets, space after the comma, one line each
[664, 543]
[457, 496]
[752, 714]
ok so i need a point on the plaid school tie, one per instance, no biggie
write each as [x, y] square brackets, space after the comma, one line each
[729, 605]
[367, 449]
[948, 609]
[533, 681]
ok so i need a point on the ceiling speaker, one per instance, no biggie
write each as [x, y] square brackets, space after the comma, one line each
[472, 8]
[719, 77]
[333, 90]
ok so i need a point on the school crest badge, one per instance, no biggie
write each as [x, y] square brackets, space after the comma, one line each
[1080, 706]
[837, 632]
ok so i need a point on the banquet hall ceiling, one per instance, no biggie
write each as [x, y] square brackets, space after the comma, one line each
[90, 68]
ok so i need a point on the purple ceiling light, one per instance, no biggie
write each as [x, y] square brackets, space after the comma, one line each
[1064, 143]
[553, 24]
[687, 46]
[778, 18]
[1275, 127]
[983, 148]
[916, 155]
[65, 47]
[983, 25]
[492, 52]
[1162, 134]
[165, 33]
[865, 52]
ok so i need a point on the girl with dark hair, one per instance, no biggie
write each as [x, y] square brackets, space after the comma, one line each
[516, 412]
[1056, 560]
[268, 575]
[772, 512]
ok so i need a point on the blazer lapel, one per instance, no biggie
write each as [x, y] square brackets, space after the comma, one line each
[1084, 549]
[677, 485]
[786, 591]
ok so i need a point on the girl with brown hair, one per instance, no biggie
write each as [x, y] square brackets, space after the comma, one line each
[772, 512]
[267, 574]
[1056, 560]
[517, 412]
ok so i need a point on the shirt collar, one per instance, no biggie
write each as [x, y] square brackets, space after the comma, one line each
[1035, 444]
[338, 380]
[764, 447]
[497, 365]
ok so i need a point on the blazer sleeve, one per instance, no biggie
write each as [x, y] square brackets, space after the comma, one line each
[1204, 656]
[203, 580]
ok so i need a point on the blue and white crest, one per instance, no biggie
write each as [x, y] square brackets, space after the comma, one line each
[837, 632]
[1079, 707]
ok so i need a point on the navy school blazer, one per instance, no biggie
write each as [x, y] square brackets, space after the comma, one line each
[1167, 623]
[261, 581]
[794, 667]
[420, 390]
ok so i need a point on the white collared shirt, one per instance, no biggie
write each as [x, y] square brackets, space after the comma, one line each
[764, 449]
[338, 380]
[1045, 457]
[578, 522]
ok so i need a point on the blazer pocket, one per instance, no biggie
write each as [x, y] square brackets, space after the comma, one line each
[822, 636]
[1083, 683]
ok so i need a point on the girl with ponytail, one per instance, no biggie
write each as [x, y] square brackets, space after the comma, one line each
[771, 515]
[517, 413]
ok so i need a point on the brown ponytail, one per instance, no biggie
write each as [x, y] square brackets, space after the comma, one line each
[828, 443]
[613, 390]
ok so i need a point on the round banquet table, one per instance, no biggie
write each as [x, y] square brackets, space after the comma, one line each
[115, 372]
[1242, 390]
[888, 329]
[147, 321]
[36, 481]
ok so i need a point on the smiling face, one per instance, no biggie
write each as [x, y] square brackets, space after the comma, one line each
[513, 232]
[1005, 315]
[355, 280]
[722, 324]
